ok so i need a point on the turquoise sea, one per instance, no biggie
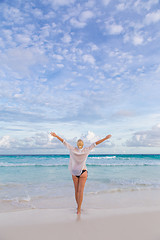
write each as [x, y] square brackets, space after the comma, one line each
[27, 177]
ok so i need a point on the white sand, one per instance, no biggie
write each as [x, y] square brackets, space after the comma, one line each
[132, 216]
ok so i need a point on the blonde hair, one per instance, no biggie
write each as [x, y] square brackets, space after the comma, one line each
[80, 140]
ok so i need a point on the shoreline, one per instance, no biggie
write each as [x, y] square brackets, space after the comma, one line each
[103, 200]
[123, 216]
[30, 217]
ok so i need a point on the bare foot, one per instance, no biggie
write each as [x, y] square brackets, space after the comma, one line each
[78, 211]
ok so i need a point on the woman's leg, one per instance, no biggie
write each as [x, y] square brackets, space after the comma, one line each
[75, 180]
[81, 184]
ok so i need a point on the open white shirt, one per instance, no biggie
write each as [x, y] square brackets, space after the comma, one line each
[78, 158]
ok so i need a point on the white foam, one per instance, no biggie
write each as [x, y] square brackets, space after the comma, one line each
[106, 157]
[2, 164]
[18, 199]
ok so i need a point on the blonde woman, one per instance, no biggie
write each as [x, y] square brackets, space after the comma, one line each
[77, 165]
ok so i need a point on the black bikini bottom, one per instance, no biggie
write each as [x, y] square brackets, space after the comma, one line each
[82, 172]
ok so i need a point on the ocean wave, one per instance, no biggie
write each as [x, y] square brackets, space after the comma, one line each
[18, 199]
[106, 157]
[2, 185]
[129, 189]
[19, 202]
[124, 164]
[31, 164]
[2, 164]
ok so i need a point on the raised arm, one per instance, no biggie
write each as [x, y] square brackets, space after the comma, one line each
[103, 139]
[55, 135]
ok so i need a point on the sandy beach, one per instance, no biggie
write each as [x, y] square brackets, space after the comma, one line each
[134, 215]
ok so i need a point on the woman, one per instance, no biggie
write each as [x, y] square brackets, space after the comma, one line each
[77, 165]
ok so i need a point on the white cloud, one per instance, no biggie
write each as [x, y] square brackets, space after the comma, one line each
[152, 17]
[105, 2]
[59, 2]
[19, 60]
[82, 20]
[50, 15]
[45, 31]
[67, 38]
[137, 40]
[40, 140]
[121, 6]
[91, 137]
[58, 57]
[84, 16]
[45, 142]
[148, 138]
[6, 91]
[53, 25]
[114, 29]
[150, 3]
[21, 38]
[37, 13]
[8, 35]
[88, 58]
[5, 142]
[93, 47]
[77, 24]
[141, 5]
[59, 65]
[43, 79]
[18, 95]
[12, 14]
[134, 38]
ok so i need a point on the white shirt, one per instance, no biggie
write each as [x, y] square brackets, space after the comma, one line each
[78, 158]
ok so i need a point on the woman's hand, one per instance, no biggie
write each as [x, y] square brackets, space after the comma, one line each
[53, 134]
[108, 136]
[103, 139]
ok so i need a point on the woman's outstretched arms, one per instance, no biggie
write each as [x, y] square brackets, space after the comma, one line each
[103, 139]
[98, 142]
[55, 135]
[69, 146]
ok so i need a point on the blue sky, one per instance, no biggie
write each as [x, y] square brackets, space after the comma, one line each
[83, 69]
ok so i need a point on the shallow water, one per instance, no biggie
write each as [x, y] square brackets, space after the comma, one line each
[24, 178]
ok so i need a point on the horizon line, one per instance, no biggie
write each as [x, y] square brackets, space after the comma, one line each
[21, 154]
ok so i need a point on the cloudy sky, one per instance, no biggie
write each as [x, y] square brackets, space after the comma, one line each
[83, 69]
